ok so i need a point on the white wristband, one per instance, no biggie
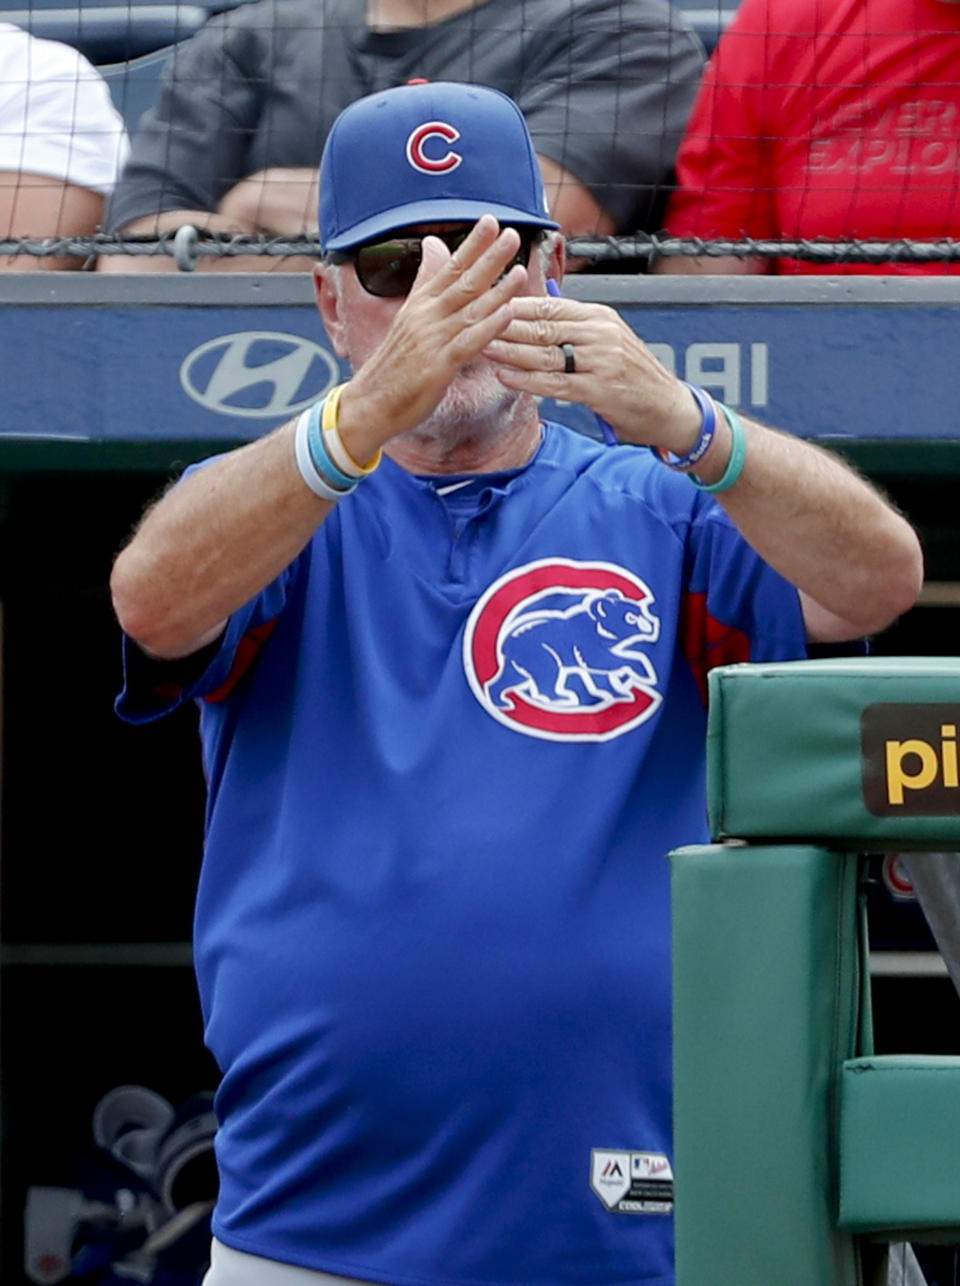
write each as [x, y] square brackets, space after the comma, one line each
[309, 472]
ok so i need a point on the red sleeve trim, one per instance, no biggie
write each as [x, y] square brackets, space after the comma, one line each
[168, 691]
[248, 649]
[708, 642]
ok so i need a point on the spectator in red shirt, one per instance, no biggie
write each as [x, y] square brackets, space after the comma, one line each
[830, 119]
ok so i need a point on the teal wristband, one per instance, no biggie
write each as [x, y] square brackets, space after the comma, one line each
[738, 455]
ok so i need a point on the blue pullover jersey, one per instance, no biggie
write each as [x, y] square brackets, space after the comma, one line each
[448, 751]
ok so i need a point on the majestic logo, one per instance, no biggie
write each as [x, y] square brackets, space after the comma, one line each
[552, 650]
[443, 159]
[610, 1176]
[910, 760]
[258, 373]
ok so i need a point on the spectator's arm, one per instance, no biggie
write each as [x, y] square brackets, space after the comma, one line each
[34, 205]
[190, 150]
[714, 264]
[283, 202]
[572, 204]
[61, 145]
[275, 202]
[152, 225]
[279, 201]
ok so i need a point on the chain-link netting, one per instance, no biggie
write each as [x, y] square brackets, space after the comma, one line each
[817, 137]
[190, 247]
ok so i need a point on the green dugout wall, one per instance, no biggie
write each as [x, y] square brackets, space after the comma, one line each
[792, 1138]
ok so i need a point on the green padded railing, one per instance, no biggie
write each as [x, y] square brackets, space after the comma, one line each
[791, 1137]
[859, 751]
[900, 1145]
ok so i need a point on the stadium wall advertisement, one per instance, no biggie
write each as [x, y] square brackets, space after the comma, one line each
[203, 357]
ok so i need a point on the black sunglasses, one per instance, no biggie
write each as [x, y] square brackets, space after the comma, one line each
[388, 269]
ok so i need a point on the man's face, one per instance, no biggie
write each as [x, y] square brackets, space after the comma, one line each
[476, 395]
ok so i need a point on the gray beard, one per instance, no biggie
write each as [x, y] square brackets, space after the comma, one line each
[476, 408]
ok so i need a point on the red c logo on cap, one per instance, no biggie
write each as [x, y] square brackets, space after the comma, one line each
[418, 139]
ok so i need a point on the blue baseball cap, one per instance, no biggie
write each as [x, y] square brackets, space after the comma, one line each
[427, 153]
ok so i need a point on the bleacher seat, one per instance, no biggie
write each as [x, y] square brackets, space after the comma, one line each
[114, 33]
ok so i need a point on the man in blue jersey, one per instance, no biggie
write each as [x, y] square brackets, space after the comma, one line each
[450, 663]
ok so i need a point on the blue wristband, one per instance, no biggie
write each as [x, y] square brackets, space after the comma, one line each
[312, 476]
[738, 455]
[708, 427]
[321, 456]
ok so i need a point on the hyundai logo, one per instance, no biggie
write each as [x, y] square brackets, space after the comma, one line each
[258, 373]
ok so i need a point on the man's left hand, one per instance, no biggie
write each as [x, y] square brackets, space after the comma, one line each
[615, 375]
[856, 561]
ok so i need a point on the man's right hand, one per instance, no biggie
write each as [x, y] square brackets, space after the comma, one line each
[458, 304]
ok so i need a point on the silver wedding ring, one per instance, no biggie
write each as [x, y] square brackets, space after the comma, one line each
[569, 358]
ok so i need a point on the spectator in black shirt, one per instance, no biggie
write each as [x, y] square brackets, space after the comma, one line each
[605, 85]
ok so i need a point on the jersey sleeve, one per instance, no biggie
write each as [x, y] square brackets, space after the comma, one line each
[611, 104]
[735, 606]
[153, 688]
[190, 149]
[724, 167]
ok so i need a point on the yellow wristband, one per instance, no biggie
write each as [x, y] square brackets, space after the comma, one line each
[330, 426]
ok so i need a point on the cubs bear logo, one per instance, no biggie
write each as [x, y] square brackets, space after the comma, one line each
[417, 148]
[553, 650]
